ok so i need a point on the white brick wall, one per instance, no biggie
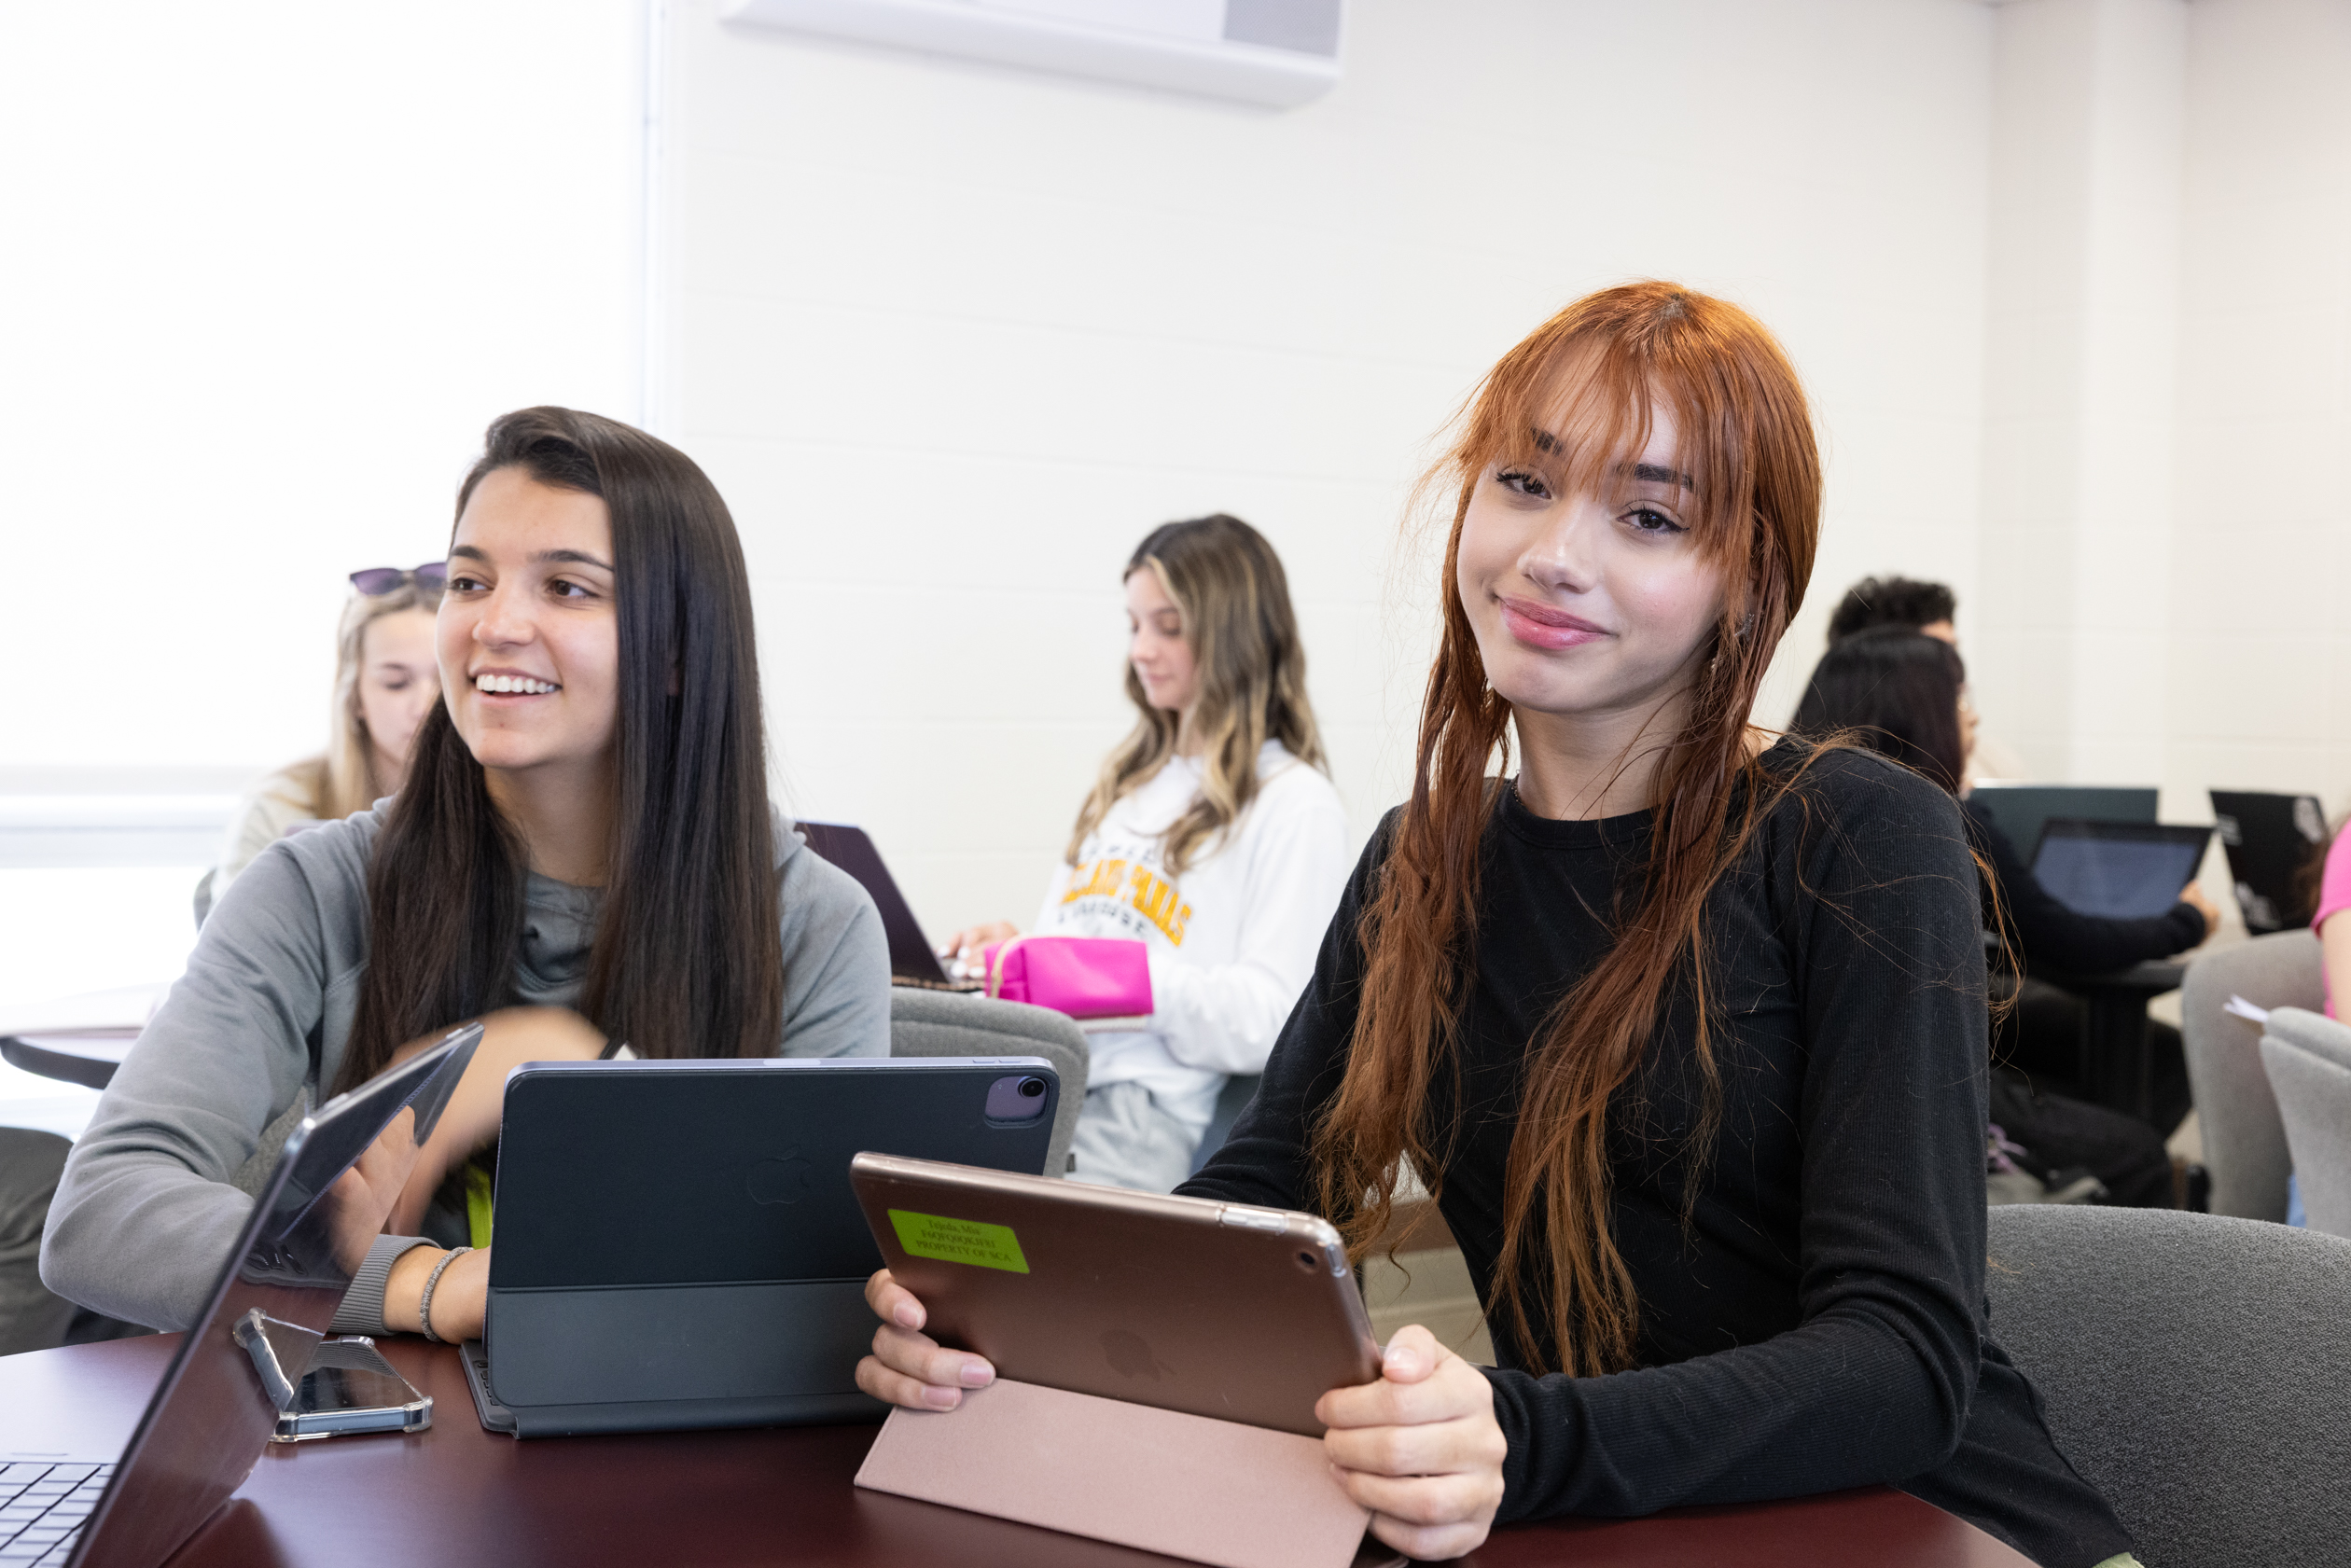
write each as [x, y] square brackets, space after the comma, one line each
[951, 338]
[269, 270]
[2256, 623]
[2068, 279]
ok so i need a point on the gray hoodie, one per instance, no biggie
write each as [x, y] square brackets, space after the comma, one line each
[154, 1194]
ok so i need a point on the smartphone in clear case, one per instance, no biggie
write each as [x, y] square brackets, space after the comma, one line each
[350, 1388]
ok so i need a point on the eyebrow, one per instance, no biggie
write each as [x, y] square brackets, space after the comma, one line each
[1650, 473]
[1644, 473]
[579, 558]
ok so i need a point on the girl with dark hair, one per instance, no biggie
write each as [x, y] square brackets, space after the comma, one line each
[1904, 693]
[1683, 1030]
[1212, 836]
[583, 855]
[1901, 692]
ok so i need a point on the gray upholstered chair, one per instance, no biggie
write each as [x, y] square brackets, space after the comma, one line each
[950, 1023]
[2243, 1140]
[1235, 1098]
[2308, 1058]
[2193, 1368]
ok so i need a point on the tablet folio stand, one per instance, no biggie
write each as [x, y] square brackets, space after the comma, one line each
[1214, 1491]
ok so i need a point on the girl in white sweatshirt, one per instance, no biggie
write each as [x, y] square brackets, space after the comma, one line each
[1213, 835]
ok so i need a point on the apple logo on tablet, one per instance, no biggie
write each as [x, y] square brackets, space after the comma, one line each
[780, 1181]
[1129, 1357]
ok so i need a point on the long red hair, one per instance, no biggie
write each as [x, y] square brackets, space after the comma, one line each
[1582, 388]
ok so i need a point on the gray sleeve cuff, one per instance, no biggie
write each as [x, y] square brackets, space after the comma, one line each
[362, 1309]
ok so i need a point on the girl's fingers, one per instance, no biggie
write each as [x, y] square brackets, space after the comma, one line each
[1431, 1543]
[1440, 1448]
[1445, 1498]
[892, 1302]
[908, 1366]
[1411, 1356]
[1453, 1391]
[924, 1360]
[893, 1387]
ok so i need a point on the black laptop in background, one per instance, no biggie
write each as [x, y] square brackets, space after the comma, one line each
[2022, 810]
[2120, 870]
[2272, 840]
[912, 960]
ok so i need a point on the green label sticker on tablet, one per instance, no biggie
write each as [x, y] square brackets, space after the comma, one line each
[959, 1240]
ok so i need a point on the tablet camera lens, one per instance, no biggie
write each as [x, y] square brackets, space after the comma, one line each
[1017, 1101]
[1309, 1262]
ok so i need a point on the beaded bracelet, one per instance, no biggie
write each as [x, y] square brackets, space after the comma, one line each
[425, 1305]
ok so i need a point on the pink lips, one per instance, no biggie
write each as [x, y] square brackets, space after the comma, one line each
[1539, 626]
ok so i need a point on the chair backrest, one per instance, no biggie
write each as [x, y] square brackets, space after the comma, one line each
[2308, 1058]
[2243, 1140]
[2193, 1368]
[1232, 1100]
[2314, 1032]
[949, 1023]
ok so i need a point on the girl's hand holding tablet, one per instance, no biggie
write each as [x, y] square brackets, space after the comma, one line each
[908, 1366]
[1420, 1448]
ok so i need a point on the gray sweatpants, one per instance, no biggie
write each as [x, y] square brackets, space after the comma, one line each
[1124, 1138]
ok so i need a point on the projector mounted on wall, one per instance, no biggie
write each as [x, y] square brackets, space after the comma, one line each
[1281, 52]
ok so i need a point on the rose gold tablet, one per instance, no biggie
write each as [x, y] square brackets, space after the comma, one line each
[1184, 1303]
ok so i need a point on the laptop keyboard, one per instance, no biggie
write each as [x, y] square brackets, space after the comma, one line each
[42, 1507]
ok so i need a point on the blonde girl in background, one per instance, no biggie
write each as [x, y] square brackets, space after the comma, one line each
[385, 683]
[1213, 835]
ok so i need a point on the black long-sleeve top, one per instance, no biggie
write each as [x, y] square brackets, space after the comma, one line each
[2049, 932]
[1821, 1321]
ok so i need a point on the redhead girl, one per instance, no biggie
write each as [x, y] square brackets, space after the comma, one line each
[1684, 1030]
[583, 855]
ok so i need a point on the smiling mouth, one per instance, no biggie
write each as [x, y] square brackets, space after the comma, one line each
[1543, 627]
[513, 686]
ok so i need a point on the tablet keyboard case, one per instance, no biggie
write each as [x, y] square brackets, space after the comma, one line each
[678, 1245]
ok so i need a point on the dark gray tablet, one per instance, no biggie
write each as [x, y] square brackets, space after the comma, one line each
[678, 1245]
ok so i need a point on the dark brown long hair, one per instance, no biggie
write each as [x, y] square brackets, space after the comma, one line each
[687, 959]
[1230, 588]
[1897, 691]
[1582, 388]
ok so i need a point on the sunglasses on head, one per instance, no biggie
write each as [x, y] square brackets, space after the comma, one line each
[384, 579]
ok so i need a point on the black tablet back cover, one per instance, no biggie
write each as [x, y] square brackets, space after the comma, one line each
[677, 1244]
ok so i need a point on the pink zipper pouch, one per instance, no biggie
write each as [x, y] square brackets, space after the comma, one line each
[1085, 976]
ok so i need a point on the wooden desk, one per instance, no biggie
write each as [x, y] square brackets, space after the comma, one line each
[458, 1495]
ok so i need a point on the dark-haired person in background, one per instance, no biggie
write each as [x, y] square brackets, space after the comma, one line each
[1928, 607]
[583, 852]
[1683, 1029]
[1933, 609]
[1905, 693]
